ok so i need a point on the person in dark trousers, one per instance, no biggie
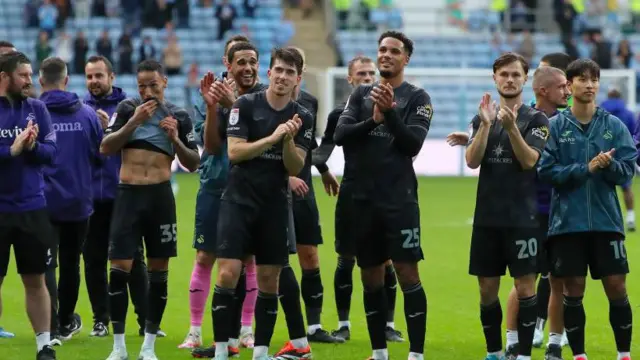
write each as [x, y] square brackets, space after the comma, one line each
[68, 189]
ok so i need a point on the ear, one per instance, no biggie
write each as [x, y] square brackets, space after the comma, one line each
[165, 82]
[112, 77]
[406, 60]
[299, 79]
[224, 61]
[494, 77]
[66, 80]
[269, 73]
[40, 81]
[350, 79]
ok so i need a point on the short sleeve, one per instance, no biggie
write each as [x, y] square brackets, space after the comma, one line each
[239, 119]
[537, 132]
[474, 125]
[185, 130]
[123, 113]
[304, 136]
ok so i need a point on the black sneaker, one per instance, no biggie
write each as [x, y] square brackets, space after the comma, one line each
[393, 335]
[47, 353]
[512, 352]
[323, 336]
[71, 329]
[55, 340]
[343, 333]
[99, 330]
[553, 352]
[160, 333]
[210, 352]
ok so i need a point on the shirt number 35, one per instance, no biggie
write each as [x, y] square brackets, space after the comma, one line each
[169, 233]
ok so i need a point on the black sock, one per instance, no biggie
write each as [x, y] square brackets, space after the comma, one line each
[118, 299]
[158, 283]
[312, 294]
[390, 286]
[620, 317]
[375, 308]
[415, 312]
[139, 289]
[52, 287]
[266, 316]
[491, 319]
[238, 302]
[343, 287]
[222, 313]
[527, 323]
[543, 292]
[574, 321]
[289, 294]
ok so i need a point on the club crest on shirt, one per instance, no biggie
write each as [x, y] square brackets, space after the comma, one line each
[234, 116]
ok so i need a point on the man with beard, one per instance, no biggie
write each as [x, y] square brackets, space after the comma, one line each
[104, 98]
[68, 190]
[264, 149]
[590, 152]
[27, 144]
[211, 125]
[386, 124]
[150, 132]
[5, 48]
[361, 70]
[507, 143]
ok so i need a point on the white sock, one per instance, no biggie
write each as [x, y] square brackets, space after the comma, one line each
[300, 343]
[342, 324]
[584, 356]
[381, 354]
[622, 355]
[196, 330]
[312, 328]
[540, 323]
[222, 348]
[246, 330]
[631, 216]
[555, 339]
[118, 342]
[415, 356]
[497, 353]
[43, 339]
[149, 341]
[260, 351]
[512, 337]
[234, 343]
[522, 357]
[391, 324]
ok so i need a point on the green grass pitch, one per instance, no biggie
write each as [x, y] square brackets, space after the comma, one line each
[454, 330]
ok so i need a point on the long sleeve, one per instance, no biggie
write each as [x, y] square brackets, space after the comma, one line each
[45, 148]
[622, 167]
[349, 128]
[409, 137]
[552, 171]
[323, 152]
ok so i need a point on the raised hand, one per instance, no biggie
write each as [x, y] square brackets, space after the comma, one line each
[144, 112]
[383, 96]
[205, 86]
[487, 110]
[170, 126]
[508, 116]
[103, 117]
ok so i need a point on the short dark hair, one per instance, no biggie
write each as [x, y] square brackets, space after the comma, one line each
[98, 58]
[235, 38]
[408, 43]
[557, 60]
[53, 70]
[509, 58]
[289, 57]
[360, 58]
[151, 65]
[299, 52]
[9, 62]
[6, 44]
[241, 46]
[583, 67]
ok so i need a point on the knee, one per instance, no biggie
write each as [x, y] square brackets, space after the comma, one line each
[268, 279]
[557, 285]
[372, 278]
[33, 283]
[489, 288]
[158, 264]
[206, 259]
[525, 286]
[574, 287]
[408, 274]
[122, 265]
[615, 287]
[228, 276]
[308, 257]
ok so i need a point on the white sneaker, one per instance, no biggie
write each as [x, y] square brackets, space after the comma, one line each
[565, 340]
[118, 354]
[147, 354]
[192, 341]
[247, 340]
[538, 338]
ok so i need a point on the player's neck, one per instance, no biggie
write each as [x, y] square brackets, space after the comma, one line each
[510, 102]
[395, 81]
[242, 91]
[52, 88]
[583, 111]
[276, 101]
[546, 107]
